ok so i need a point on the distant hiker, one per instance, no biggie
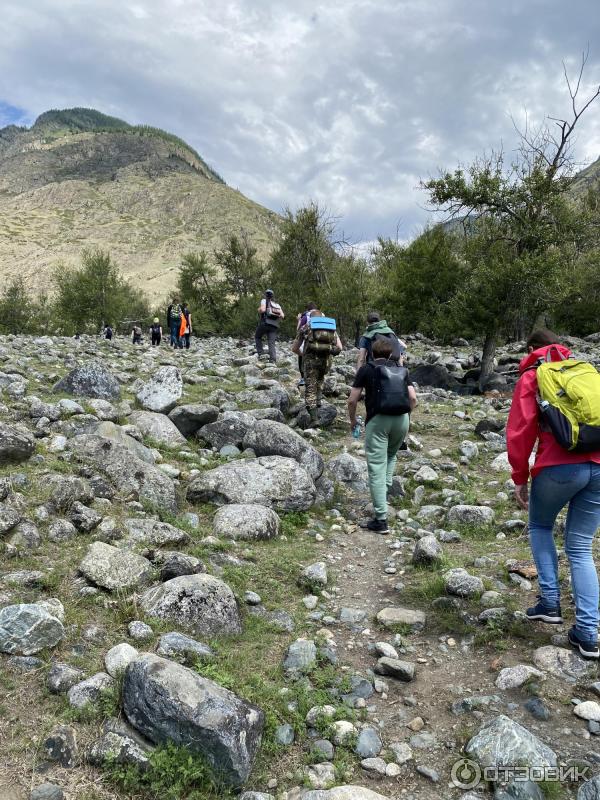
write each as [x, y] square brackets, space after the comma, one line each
[107, 332]
[389, 399]
[300, 323]
[136, 334]
[270, 314]
[556, 403]
[174, 314]
[156, 332]
[377, 328]
[185, 329]
[318, 341]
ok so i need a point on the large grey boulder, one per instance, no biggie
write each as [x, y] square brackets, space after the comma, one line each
[273, 481]
[200, 603]
[9, 518]
[128, 474]
[162, 391]
[349, 471]
[27, 628]
[115, 569]
[460, 583]
[590, 790]
[342, 793]
[269, 438]
[191, 417]
[470, 515]
[562, 663]
[153, 532]
[157, 427]
[16, 444]
[503, 742]
[90, 380]
[230, 428]
[250, 521]
[168, 702]
[116, 432]
[65, 490]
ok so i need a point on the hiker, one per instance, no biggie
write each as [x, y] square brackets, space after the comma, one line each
[156, 332]
[559, 478]
[107, 332]
[376, 328]
[174, 322]
[300, 323]
[318, 341]
[389, 399]
[271, 315]
[186, 327]
[136, 334]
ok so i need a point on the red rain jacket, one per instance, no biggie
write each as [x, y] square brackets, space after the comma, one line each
[523, 428]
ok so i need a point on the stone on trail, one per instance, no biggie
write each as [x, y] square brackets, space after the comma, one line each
[167, 702]
[62, 677]
[118, 433]
[273, 481]
[470, 515]
[590, 790]
[180, 647]
[391, 617]
[90, 690]
[250, 521]
[458, 582]
[256, 796]
[128, 474]
[402, 670]
[115, 569]
[9, 518]
[157, 427]
[153, 532]
[349, 471]
[314, 576]
[46, 791]
[16, 444]
[162, 391]
[269, 438]
[90, 380]
[427, 551]
[118, 657]
[426, 475]
[588, 710]
[27, 628]
[343, 793]
[503, 742]
[564, 664]
[201, 603]
[230, 428]
[301, 657]
[189, 418]
[515, 677]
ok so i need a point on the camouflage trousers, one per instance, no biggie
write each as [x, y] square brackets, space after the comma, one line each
[315, 368]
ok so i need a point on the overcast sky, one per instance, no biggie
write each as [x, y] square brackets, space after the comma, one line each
[349, 102]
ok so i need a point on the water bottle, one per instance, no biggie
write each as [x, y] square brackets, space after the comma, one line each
[357, 428]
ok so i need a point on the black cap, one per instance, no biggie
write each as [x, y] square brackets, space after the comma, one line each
[270, 292]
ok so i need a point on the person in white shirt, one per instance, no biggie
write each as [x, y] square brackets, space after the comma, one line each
[271, 315]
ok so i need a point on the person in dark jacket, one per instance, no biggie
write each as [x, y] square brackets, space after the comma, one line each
[270, 315]
[174, 322]
[377, 328]
[559, 478]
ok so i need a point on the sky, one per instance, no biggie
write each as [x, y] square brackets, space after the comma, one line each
[349, 103]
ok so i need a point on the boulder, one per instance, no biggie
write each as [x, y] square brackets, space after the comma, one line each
[90, 380]
[66, 490]
[153, 532]
[326, 416]
[188, 419]
[515, 677]
[118, 657]
[201, 603]
[564, 664]
[126, 472]
[427, 551]
[118, 434]
[158, 428]
[590, 790]
[9, 518]
[250, 521]
[392, 616]
[470, 515]
[115, 569]
[503, 742]
[273, 481]
[433, 375]
[180, 647]
[90, 690]
[342, 793]
[269, 438]
[167, 702]
[229, 429]
[162, 391]
[27, 628]
[16, 444]
[458, 582]
[349, 471]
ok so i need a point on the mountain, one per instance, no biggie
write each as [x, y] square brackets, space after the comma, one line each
[81, 179]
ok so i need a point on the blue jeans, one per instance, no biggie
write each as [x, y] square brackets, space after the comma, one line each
[551, 490]
[175, 340]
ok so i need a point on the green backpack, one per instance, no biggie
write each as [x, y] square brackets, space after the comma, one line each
[569, 401]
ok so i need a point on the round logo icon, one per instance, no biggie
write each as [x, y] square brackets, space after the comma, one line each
[466, 774]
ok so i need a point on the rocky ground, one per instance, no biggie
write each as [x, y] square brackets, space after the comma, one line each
[188, 608]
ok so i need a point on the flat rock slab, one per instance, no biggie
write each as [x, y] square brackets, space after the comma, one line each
[273, 481]
[268, 438]
[157, 427]
[247, 522]
[301, 657]
[153, 532]
[90, 380]
[563, 664]
[342, 793]
[27, 628]
[162, 391]
[470, 515]
[113, 569]
[514, 677]
[201, 603]
[167, 702]
[395, 668]
[503, 742]
[16, 444]
[391, 617]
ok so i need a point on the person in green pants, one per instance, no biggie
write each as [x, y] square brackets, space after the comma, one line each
[385, 432]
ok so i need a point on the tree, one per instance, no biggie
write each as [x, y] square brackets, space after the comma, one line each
[96, 294]
[199, 286]
[519, 227]
[16, 308]
[242, 271]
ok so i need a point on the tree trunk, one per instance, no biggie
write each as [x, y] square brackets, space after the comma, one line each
[487, 357]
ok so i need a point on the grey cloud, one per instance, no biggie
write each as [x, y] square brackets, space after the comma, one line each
[347, 103]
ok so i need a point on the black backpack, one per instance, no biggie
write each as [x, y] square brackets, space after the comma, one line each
[396, 352]
[391, 389]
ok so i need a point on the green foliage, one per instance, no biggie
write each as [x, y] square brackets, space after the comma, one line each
[96, 294]
[16, 308]
[293, 522]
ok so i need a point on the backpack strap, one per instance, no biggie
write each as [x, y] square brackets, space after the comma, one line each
[561, 357]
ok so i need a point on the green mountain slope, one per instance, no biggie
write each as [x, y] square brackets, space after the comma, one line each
[79, 178]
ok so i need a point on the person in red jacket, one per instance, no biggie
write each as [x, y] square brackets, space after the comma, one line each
[558, 478]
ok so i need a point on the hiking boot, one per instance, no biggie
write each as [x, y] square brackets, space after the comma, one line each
[544, 613]
[588, 648]
[376, 525]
